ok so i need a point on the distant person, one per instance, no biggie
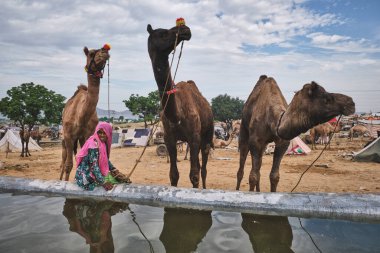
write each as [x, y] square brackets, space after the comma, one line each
[93, 165]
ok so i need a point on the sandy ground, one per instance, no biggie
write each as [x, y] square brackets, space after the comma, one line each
[341, 175]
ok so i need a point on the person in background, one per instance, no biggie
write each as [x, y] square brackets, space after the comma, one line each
[93, 165]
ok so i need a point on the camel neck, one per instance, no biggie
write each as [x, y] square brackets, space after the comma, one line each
[92, 91]
[164, 82]
[293, 122]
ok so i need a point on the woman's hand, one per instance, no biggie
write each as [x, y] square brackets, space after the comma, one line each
[107, 186]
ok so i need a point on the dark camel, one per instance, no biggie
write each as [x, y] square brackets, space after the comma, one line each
[79, 117]
[187, 114]
[267, 117]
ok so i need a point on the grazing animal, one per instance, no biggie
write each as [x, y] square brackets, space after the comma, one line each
[267, 117]
[79, 118]
[359, 130]
[187, 116]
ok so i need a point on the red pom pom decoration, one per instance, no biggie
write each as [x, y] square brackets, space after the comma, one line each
[180, 21]
[107, 46]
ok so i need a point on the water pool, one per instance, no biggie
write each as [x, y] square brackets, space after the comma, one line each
[55, 224]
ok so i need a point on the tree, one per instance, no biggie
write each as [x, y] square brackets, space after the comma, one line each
[30, 104]
[146, 107]
[226, 108]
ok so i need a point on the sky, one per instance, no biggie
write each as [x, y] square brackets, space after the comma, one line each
[335, 43]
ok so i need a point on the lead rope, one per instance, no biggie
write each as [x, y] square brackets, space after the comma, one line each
[156, 123]
[328, 143]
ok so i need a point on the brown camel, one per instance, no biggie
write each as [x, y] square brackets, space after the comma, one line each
[325, 131]
[25, 137]
[79, 117]
[187, 114]
[359, 130]
[267, 117]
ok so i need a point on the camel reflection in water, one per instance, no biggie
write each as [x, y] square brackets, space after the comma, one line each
[92, 220]
[268, 233]
[184, 229]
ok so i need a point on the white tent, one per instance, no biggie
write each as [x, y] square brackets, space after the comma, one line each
[12, 142]
[298, 147]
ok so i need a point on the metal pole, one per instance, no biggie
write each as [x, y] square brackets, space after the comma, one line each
[108, 71]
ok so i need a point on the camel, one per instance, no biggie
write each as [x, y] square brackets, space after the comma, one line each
[79, 117]
[219, 143]
[359, 130]
[325, 131]
[267, 117]
[25, 137]
[187, 116]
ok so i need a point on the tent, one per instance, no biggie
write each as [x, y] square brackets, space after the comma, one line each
[297, 147]
[371, 153]
[12, 142]
[130, 137]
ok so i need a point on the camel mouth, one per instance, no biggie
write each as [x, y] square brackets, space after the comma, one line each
[185, 33]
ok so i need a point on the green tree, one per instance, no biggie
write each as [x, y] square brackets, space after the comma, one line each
[226, 108]
[146, 107]
[30, 104]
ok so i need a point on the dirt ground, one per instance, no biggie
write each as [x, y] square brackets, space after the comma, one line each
[341, 175]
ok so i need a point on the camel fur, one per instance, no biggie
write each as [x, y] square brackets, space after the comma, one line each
[359, 130]
[325, 131]
[267, 117]
[79, 118]
[187, 115]
[25, 137]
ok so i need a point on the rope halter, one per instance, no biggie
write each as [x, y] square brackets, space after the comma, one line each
[99, 69]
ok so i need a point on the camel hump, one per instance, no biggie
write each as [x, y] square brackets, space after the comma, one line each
[262, 77]
[190, 81]
[82, 87]
[79, 89]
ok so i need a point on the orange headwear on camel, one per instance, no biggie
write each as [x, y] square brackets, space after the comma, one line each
[179, 22]
[107, 46]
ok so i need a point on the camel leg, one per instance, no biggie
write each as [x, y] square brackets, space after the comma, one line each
[63, 161]
[69, 159]
[254, 175]
[22, 148]
[279, 152]
[205, 153]
[27, 153]
[194, 164]
[187, 151]
[172, 150]
[243, 149]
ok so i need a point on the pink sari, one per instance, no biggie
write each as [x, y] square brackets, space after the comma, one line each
[94, 142]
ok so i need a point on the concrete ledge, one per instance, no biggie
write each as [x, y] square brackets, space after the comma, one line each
[358, 207]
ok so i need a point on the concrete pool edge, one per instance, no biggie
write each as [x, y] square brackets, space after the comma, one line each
[358, 207]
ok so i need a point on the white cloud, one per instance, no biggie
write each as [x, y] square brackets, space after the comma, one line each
[43, 41]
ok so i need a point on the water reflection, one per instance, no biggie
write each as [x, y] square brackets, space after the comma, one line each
[92, 220]
[184, 229]
[268, 233]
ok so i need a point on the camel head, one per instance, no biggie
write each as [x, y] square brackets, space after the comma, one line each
[161, 41]
[96, 60]
[320, 105]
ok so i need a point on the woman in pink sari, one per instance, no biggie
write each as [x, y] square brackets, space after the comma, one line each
[93, 165]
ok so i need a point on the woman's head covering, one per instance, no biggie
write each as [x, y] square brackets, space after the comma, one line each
[104, 148]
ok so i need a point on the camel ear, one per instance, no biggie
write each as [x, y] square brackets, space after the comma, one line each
[85, 50]
[149, 29]
[313, 88]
